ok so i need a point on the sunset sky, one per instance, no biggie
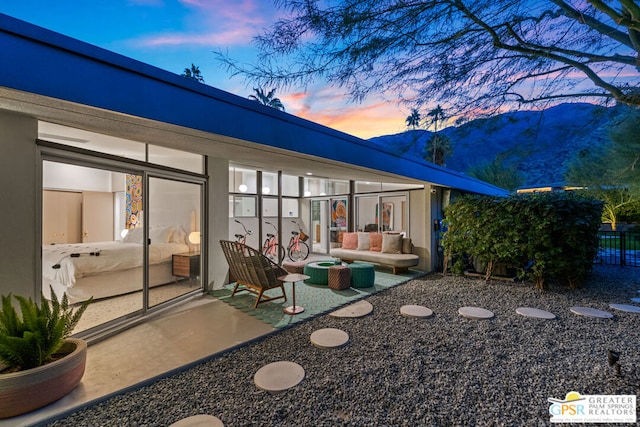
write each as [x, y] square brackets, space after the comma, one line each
[173, 34]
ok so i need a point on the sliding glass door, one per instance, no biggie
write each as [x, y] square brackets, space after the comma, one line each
[175, 239]
[92, 239]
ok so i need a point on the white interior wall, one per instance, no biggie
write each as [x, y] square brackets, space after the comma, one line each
[61, 176]
[174, 203]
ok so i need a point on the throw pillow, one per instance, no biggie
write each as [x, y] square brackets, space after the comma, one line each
[391, 244]
[375, 242]
[363, 241]
[350, 241]
[406, 246]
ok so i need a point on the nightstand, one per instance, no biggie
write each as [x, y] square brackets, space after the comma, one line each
[186, 265]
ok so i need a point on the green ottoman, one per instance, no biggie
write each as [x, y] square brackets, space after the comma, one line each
[362, 275]
[318, 272]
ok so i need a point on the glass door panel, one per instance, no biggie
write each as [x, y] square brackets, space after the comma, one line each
[338, 220]
[85, 255]
[394, 213]
[319, 226]
[175, 239]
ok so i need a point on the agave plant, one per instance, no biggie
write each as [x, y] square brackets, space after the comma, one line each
[31, 338]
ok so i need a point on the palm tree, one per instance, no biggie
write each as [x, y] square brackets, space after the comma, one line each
[436, 115]
[193, 73]
[413, 120]
[268, 99]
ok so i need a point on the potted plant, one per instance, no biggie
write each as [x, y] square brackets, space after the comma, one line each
[39, 363]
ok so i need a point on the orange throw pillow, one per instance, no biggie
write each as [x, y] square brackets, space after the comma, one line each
[375, 242]
[350, 241]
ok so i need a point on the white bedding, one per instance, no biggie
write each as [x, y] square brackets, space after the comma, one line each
[113, 256]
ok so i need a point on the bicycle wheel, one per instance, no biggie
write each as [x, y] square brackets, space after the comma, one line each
[302, 252]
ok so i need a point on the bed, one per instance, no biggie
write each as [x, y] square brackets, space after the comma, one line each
[106, 269]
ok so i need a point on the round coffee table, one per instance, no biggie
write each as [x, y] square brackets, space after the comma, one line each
[318, 272]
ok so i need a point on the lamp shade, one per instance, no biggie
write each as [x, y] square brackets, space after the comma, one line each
[194, 237]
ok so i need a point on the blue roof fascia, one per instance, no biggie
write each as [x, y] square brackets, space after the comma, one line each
[47, 63]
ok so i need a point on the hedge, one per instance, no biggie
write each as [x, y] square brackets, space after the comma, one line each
[541, 235]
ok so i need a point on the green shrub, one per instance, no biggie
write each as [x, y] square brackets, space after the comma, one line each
[30, 338]
[553, 234]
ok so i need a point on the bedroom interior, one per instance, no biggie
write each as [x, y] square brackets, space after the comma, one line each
[93, 233]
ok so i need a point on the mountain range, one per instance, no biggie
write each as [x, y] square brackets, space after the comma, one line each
[540, 144]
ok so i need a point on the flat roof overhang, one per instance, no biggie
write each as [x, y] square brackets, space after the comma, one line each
[68, 82]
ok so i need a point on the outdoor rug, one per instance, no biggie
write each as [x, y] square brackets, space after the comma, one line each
[315, 299]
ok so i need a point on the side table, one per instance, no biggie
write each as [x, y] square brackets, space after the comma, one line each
[293, 278]
[186, 265]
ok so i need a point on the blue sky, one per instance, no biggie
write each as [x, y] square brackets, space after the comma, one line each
[173, 34]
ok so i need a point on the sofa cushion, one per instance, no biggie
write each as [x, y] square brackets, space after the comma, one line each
[396, 260]
[363, 241]
[375, 242]
[392, 243]
[350, 241]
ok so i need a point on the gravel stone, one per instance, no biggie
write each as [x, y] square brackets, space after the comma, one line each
[399, 371]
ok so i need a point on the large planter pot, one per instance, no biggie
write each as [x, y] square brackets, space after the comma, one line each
[25, 391]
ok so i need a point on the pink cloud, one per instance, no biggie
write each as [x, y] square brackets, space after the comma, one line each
[327, 107]
[224, 22]
[236, 36]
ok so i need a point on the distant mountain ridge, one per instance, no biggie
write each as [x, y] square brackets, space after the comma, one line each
[540, 144]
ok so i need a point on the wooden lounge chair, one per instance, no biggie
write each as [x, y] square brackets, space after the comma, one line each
[254, 271]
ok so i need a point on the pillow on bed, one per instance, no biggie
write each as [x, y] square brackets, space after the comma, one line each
[134, 235]
[350, 241]
[178, 236]
[160, 234]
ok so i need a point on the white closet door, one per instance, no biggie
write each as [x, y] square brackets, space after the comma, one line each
[97, 216]
[61, 214]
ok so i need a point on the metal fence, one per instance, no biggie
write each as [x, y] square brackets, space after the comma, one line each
[619, 248]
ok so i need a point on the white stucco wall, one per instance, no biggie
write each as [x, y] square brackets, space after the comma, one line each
[419, 219]
[218, 214]
[19, 197]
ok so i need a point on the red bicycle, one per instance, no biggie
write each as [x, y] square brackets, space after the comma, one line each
[271, 248]
[242, 238]
[298, 249]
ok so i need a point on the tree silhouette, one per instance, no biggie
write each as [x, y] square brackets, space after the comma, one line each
[193, 73]
[268, 99]
[438, 148]
[478, 56]
[413, 119]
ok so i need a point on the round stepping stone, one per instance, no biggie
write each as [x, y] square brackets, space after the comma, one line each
[591, 312]
[535, 313]
[415, 311]
[475, 313]
[358, 309]
[635, 299]
[201, 420]
[278, 376]
[329, 338]
[626, 307]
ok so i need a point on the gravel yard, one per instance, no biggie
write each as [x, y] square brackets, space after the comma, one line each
[397, 371]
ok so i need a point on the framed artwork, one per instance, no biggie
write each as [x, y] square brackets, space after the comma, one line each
[387, 216]
[339, 213]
